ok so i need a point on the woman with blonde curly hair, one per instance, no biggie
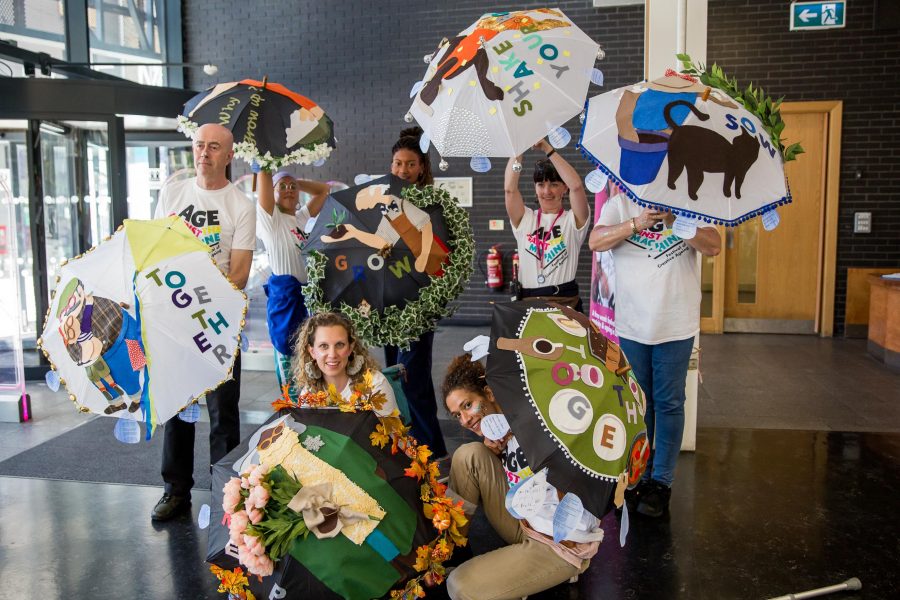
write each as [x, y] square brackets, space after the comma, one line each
[328, 352]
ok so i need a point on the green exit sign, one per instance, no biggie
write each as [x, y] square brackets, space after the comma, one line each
[818, 15]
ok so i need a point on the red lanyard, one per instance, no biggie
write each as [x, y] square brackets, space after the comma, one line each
[545, 235]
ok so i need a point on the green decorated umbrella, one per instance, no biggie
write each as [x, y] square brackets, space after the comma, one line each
[571, 399]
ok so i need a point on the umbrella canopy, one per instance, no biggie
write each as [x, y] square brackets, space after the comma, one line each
[686, 147]
[368, 261]
[144, 323]
[271, 124]
[504, 83]
[374, 549]
[571, 399]
[389, 256]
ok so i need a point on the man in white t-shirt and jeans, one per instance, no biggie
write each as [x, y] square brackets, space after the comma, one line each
[657, 317]
[548, 239]
[223, 218]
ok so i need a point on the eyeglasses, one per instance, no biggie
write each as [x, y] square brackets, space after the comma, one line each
[287, 186]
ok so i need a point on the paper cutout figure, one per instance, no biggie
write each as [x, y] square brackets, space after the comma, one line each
[103, 338]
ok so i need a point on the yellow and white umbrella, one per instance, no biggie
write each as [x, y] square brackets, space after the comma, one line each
[144, 323]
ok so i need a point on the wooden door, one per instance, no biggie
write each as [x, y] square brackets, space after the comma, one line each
[782, 281]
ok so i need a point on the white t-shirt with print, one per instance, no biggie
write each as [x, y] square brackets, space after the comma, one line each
[560, 247]
[657, 280]
[283, 236]
[223, 219]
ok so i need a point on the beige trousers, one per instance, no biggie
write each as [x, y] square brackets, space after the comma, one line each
[523, 567]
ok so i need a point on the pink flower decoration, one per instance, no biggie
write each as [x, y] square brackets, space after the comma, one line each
[258, 498]
[254, 545]
[264, 566]
[255, 515]
[257, 475]
[232, 495]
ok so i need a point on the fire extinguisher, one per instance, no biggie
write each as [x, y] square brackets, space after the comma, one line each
[494, 268]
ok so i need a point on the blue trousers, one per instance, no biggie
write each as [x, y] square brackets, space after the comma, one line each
[661, 370]
[419, 390]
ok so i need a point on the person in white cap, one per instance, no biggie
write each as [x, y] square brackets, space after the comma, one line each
[281, 227]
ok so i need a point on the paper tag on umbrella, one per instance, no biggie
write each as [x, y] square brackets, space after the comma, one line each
[526, 499]
[494, 427]
[567, 517]
[770, 219]
[685, 228]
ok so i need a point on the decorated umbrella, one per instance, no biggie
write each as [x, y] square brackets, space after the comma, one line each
[389, 257]
[330, 503]
[571, 398]
[504, 83]
[692, 143]
[272, 125]
[144, 323]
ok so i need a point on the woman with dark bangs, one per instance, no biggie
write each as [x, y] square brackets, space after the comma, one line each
[549, 239]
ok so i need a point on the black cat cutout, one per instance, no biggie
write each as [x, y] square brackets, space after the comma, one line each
[700, 150]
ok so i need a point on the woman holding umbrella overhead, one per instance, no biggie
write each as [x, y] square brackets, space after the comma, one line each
[281, 228]
[481, 472]
[410, 164]
[549, 239]
[329, 353]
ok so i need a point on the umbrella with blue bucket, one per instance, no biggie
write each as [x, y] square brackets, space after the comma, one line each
[701, 152]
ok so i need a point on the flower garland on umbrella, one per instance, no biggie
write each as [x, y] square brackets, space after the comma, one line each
[398, 325]
[311, 154]
[263, 527]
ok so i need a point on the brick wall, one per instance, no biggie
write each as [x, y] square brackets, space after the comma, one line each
[360, 65]
[858, 65]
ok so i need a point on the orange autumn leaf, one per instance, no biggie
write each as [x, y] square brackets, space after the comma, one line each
[422, 454]
[423, 558]
[379, 437]
[415, 470]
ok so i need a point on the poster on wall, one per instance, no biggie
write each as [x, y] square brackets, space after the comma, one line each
[603, 281]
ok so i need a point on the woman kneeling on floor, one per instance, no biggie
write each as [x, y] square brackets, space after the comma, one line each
[480, 473]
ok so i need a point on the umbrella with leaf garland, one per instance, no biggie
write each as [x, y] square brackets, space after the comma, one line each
[331, 502]
[693, 143]
[390, 256]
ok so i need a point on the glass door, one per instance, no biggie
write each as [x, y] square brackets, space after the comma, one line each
[58, 175]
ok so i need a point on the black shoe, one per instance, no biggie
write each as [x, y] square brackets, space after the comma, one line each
[169, 507]
[654, 500]
[633, 496]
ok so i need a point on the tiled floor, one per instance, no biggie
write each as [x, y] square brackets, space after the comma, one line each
[790, 489]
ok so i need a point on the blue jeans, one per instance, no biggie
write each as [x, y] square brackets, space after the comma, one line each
[661, 370]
